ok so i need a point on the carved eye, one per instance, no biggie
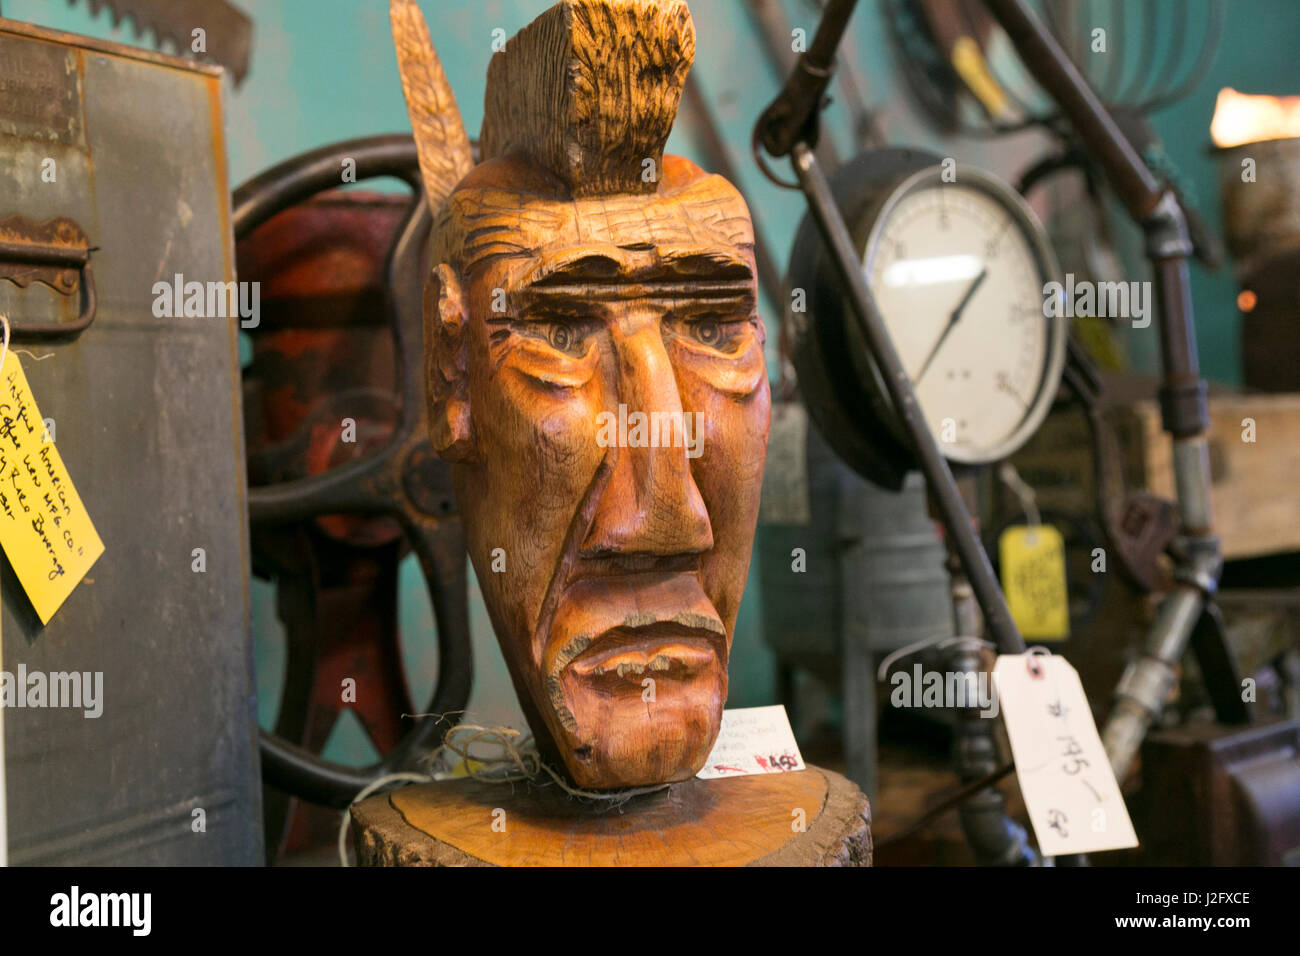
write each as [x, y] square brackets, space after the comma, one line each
[560, 337]
[709, 332]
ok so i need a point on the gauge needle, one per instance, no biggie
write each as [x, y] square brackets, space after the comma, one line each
[952, 321]
[1004, 385]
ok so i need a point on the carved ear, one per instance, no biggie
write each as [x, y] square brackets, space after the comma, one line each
[440, 139]
[446, 378]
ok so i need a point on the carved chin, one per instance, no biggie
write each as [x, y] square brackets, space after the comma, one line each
[612, 734]
[635, 676]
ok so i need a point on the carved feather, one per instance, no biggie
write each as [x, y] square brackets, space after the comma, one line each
[440, 138]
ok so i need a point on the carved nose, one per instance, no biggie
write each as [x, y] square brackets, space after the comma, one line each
[651, 504]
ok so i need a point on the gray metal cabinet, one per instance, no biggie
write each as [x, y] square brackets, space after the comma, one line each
[148, 422]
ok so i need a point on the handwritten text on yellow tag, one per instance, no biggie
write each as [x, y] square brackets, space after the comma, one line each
[1033, 577]
[44, 527]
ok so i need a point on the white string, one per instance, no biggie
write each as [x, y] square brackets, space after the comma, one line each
[4, 348]
[1028, 500]
[517, 761]
[406, 777]
[907, 649]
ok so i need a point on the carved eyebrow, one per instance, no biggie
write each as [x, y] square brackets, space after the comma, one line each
[583, 267]
[715, 264]
[740, 306]
[530, 308]
[695, 275]
[713, 293]
[719, 265]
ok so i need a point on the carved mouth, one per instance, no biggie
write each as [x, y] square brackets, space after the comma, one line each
[612, 632]
[633, 614]
[640, 654]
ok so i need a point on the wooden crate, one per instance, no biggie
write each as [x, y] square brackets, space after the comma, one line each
[1255, 490]
[1256, 484]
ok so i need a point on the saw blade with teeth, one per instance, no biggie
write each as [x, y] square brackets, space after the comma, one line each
[228, 30]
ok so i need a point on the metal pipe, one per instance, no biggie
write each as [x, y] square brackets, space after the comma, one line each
[1192, 483]
[1137, 187]
[791, 118]
[1148, 681]
[996, 839]
[774, 27]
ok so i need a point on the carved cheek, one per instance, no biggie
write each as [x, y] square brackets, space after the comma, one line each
[731, 393]
[732, 439]
[553, 397]
[733, 397]
[543, 414]
[534, 416]
[737, 374]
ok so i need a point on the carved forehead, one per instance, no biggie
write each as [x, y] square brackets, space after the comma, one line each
[489, 217]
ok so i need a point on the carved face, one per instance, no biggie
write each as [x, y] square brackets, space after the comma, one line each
[597, 370]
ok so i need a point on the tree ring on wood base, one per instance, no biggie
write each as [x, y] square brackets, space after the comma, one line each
[812, 817]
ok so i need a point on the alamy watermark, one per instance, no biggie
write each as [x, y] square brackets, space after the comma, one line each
[131, 911]
[1103, 300]
[944, 689]
[82, 690]
[671, 429]
[208, 300]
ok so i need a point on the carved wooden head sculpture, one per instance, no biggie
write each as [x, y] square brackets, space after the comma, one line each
[595, 371]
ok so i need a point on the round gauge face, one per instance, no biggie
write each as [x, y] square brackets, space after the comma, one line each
[958, 271]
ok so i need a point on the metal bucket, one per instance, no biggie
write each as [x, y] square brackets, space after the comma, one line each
[1260, 200]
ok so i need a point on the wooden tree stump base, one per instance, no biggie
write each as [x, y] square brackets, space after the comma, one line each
[736, 821]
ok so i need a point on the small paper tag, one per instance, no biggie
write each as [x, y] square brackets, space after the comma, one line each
[1074, 803]
[44, 527]
[753, 740]
[785, 476]
[1033, 578]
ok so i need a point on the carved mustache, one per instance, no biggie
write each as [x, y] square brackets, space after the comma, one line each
[664, 604]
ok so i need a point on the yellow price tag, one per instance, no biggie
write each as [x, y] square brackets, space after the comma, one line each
[1033, 578]
[44, 527]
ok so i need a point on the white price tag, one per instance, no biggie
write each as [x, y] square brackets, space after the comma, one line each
[1074, 803]
[753, 740]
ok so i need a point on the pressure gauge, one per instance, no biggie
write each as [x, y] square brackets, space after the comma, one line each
[958, 265]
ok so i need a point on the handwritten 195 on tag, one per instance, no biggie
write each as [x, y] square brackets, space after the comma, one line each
[1073, 800]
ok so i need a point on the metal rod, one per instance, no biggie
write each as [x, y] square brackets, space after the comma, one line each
[774, 27]
[1051, 67]
[792, 117]
[943, 488]
[1148, 680]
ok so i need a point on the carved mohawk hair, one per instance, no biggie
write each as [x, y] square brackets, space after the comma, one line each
[589, 90]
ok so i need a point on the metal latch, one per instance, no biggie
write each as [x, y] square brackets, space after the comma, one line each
[55, 252]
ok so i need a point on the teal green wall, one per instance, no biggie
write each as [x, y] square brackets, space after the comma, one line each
[324, 70]
[1260, 53]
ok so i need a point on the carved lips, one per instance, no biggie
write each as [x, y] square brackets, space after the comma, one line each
[619, 643]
